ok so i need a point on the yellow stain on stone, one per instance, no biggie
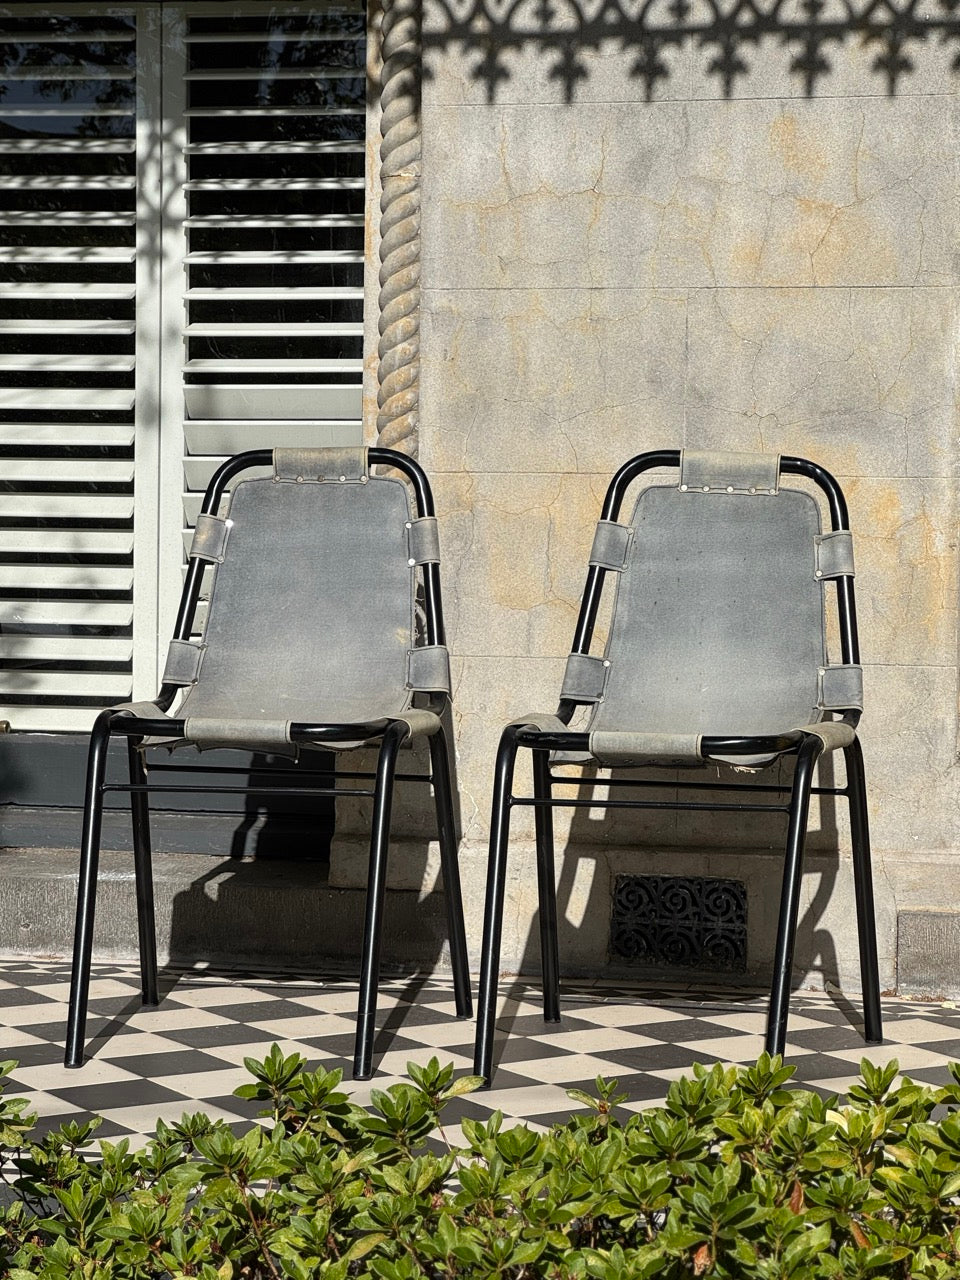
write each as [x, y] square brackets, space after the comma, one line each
[853, 250]
[371, 221]
[797, 148]
[911, 560]
[885, 514]
[934, 581]
[746, 254]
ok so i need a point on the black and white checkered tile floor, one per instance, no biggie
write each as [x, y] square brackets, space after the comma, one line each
[187, 1055]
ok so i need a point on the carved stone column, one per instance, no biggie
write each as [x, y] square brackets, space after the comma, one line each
[398, 397]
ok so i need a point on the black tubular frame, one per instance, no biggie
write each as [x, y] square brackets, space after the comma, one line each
[806, 747]
[391, 734]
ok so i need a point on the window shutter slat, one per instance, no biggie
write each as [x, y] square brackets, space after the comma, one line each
[68, 470]
[79, 433]
[92, 509]
[64, 649]
[60, 613]
[67, 577]
[70, 541]
[220, 439]
[66, 400]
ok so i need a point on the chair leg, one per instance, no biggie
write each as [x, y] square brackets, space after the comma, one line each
[143, 871]
[87, 890]
[376, 886]
[493, 905]
[790, 894]
[863, 889]
[450, 867]
[546, 889]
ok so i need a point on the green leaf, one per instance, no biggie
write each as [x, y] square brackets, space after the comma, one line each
[578, 1095]
[461, 1086]
[365, 1244]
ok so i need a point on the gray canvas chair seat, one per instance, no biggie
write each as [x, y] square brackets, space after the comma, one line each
[717, 653]
[324, 630]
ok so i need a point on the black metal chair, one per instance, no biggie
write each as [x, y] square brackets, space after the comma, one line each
[324, 630]
[716, 654]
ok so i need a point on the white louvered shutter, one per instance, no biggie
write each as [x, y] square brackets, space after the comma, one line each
[67, 364]
[181, 277]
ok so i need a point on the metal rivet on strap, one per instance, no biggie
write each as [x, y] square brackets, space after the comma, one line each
[411, 562]
[299, 479]
[706, 488]
[729, 488]
[753, 488]
[818, 573]
[606, 662]
[683, 488]
[363, 479]
[408, 525]
[343, 479]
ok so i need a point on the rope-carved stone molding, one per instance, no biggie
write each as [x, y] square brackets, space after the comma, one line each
[398, 397]
[810, 30]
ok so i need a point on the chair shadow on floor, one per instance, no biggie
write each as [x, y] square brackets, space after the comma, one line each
[600, 846]
[171, 976]
[266, 909]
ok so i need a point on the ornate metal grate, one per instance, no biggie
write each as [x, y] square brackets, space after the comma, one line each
[680, 921]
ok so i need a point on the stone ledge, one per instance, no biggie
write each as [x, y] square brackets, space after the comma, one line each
[243, 911]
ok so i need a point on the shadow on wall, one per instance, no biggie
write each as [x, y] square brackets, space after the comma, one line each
[269, 900]
[606, 843]
[811, 35]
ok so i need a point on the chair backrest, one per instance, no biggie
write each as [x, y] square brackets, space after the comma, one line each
[312, 610]
[719, 619]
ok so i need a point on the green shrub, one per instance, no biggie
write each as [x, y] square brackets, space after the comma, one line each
[736, 1175]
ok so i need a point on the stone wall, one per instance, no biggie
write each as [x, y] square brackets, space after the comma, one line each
[703, 234]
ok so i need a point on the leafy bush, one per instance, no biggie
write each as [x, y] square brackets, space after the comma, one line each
[736, 1175]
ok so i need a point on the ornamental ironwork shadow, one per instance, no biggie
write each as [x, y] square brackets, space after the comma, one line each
[730, 34]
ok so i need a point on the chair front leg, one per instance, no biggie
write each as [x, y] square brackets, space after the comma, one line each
[807, 757]
[450, 868]
[493, 905]
[376, 885]
[87, 889]
[546, 888]
[143, 871]
[863, 890]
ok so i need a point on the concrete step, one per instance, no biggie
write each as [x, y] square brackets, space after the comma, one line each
[243, 911]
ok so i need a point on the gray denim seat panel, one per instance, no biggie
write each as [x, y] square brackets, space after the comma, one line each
[718, 626]
[311, 615]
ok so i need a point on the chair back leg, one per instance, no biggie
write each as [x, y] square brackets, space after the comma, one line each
[546, 888]
[87, 890]
[493, 904]
[450, 868]
[790, 894]
[143, 872]
[863, 890]
[376, 886]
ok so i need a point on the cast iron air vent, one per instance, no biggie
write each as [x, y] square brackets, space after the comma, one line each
[680, 921]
